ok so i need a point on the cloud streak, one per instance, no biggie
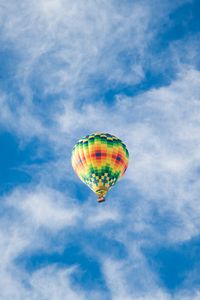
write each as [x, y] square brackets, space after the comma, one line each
[66, 57]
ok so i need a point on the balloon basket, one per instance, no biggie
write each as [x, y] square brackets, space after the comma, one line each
[101, 199]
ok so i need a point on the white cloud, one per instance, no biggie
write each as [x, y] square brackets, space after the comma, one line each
[98, 217]
[44, 207]
[31, 218]
[161, 128]
[47, 283]
[50, 283]
[62, 47]
[132, 280]
[78, 38]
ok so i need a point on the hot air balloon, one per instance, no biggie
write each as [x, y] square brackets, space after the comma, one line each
[99, 160]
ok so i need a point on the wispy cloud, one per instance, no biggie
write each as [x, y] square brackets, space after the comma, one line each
[66, 56]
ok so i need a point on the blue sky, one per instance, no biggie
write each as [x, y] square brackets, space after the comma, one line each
[70, 68]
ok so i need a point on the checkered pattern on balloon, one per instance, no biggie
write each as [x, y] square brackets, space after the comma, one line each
[99, 160]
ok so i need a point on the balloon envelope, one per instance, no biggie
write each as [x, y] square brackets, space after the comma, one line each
[99, 160]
